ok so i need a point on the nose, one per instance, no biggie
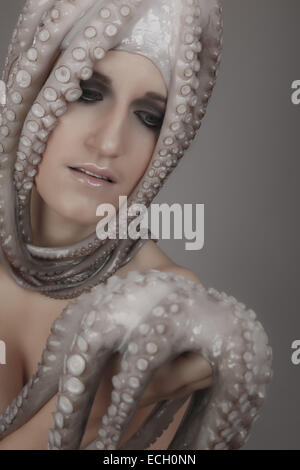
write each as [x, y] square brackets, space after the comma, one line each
[106, 136]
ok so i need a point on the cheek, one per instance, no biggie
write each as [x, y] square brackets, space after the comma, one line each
[144, 149]
[46, 180]
[48, 174]
[59, 140]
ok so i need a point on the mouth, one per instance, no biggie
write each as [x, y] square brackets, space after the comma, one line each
[90, 178]
[90, 173]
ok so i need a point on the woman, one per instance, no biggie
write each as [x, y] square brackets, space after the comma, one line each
[121, 107]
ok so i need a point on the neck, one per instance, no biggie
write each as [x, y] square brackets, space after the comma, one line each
[50, 229]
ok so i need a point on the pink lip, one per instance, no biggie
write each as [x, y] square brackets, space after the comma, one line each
[88, 180]
[100, 171]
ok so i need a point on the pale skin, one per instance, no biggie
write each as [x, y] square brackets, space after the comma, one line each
[115, 126]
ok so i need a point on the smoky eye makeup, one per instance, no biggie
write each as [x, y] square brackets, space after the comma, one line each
[150, 108]
[149, 120]
[150, 114]
[92, 91]
[150, 105]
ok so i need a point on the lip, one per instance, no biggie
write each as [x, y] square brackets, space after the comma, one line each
[99, 171]
[92, 181]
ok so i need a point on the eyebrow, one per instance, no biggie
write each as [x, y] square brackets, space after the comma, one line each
[104, 78]
[150, 94]
[156, 96]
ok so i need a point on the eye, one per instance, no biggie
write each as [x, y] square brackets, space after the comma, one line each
[150, 120]
[90, 95]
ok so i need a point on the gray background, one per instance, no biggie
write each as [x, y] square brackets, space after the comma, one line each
[244, 167]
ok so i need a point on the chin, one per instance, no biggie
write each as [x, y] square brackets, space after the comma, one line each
[71, 207]
[81, 215]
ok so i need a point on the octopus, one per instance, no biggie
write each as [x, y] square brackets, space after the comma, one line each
[169, 315]
[47, 60]
[147, 318]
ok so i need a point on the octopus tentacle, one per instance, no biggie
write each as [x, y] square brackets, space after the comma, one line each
[33, 69]
[112, 264]
[38, 111]
[134, 249]
[156, 423]
[220, 420]
[44, 382]
[137, 369]
[45, 110]
[29, 117]
[148, 318]
[97, 338]
[47, 253]
[244, 369]
[149, 346]
[73, 405]
[23, 34]
[178, 316]
[29, 69]
[189, 91]
[158, 305]
[100, 255]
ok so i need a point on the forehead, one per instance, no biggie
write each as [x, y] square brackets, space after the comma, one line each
[131, 70]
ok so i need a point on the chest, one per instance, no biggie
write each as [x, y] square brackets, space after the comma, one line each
[25, 323]
[26, 320]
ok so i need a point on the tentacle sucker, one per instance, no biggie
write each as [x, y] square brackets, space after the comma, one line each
[55, 46]
[151, 318]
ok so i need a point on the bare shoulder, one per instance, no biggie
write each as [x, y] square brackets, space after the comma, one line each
[151, 256]
[182, 271]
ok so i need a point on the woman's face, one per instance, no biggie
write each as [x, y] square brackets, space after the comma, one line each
[113, 127]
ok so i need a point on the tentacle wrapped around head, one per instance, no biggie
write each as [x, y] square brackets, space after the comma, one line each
[55, 46]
